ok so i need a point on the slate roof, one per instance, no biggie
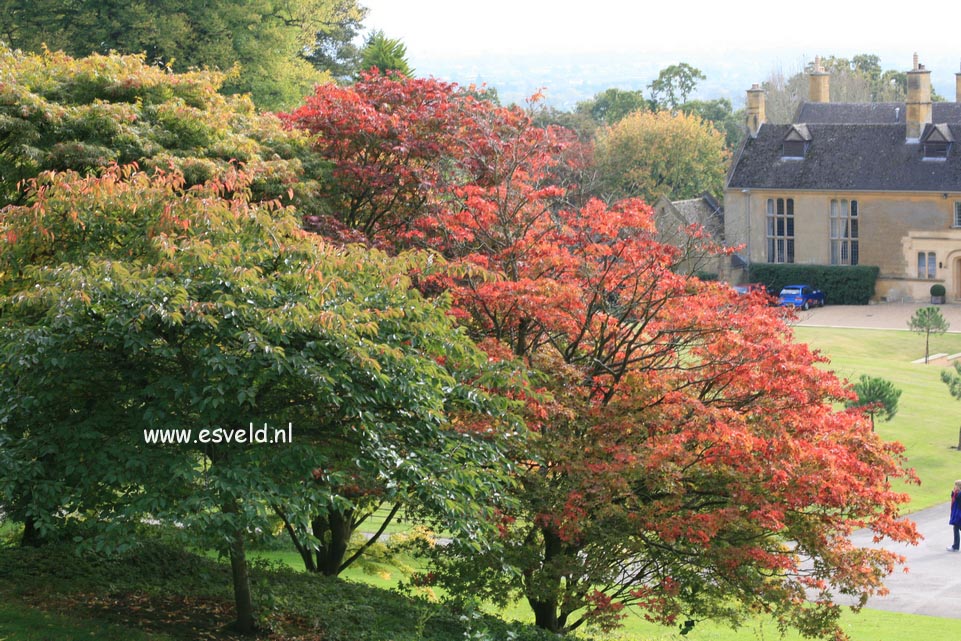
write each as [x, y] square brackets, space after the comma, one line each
[853, 147]
[697, 210]
[704, 211]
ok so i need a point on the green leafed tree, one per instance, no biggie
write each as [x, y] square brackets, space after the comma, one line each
[386, 55]
[85, 114]
[268, 39]
[131, 302]
[611, 105]
[650, 154]
[927, 321]
[877, 397]
[720, 113]
[334, 48]
[673, 85]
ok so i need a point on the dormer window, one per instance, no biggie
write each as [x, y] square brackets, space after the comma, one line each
[936, 149]
[795, 143]
[936, 142]
[794, 149]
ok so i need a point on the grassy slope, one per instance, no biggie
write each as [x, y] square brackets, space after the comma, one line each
[188, 597]
[928, 417]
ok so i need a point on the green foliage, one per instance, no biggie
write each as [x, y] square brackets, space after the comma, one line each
[859, 79]
[877, 396]
[612, 105]
[937, 289]
[953, 380]
[60, 113]
[927, 321]
[720, 113]
[386, 55]
[333, 49]
[673, 85]
[842, 285]
[266, 38]
[652, 154]
[132, 302]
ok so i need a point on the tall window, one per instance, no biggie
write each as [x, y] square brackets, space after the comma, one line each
[927, 265]
[844, 232]
[780, 230]
[957, 214]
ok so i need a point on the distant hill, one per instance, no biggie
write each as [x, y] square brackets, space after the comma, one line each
[568, 79]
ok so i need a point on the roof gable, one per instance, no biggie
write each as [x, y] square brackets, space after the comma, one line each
[798, 133]
[937, 133]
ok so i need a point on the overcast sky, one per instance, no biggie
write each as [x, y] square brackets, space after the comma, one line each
[779, 31]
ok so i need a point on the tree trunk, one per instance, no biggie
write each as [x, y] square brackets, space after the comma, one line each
[245, 623]
[959, 438]
[335, 531]
[31, 535]
[545, 615]
[545, 599]
[238, 567]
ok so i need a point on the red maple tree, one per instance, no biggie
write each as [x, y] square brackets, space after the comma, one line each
[686, 454]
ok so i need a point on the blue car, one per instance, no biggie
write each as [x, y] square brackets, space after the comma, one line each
[803, 296]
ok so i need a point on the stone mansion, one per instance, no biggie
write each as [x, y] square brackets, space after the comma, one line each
[854, 184]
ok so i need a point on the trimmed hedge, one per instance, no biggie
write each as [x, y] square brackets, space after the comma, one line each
[842, 285]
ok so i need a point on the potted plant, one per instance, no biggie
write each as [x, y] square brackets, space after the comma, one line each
[937, 294]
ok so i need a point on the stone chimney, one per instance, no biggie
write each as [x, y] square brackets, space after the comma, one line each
[957, 87]
[755, 110]
[819, 83]
[919, 100]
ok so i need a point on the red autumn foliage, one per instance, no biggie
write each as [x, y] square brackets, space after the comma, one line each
[687, 455]
[399, 148]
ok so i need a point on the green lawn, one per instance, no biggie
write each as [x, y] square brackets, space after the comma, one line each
[928, 417]
[869, 625]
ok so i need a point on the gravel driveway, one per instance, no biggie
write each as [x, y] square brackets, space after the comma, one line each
[880, 316]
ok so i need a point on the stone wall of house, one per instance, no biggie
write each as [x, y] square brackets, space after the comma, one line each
[893, 229]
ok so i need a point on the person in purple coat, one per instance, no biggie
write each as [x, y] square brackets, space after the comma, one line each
[956, 516]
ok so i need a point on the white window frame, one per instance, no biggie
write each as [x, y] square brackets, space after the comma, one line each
[927, 265]
[780, 230]
[845, 231]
